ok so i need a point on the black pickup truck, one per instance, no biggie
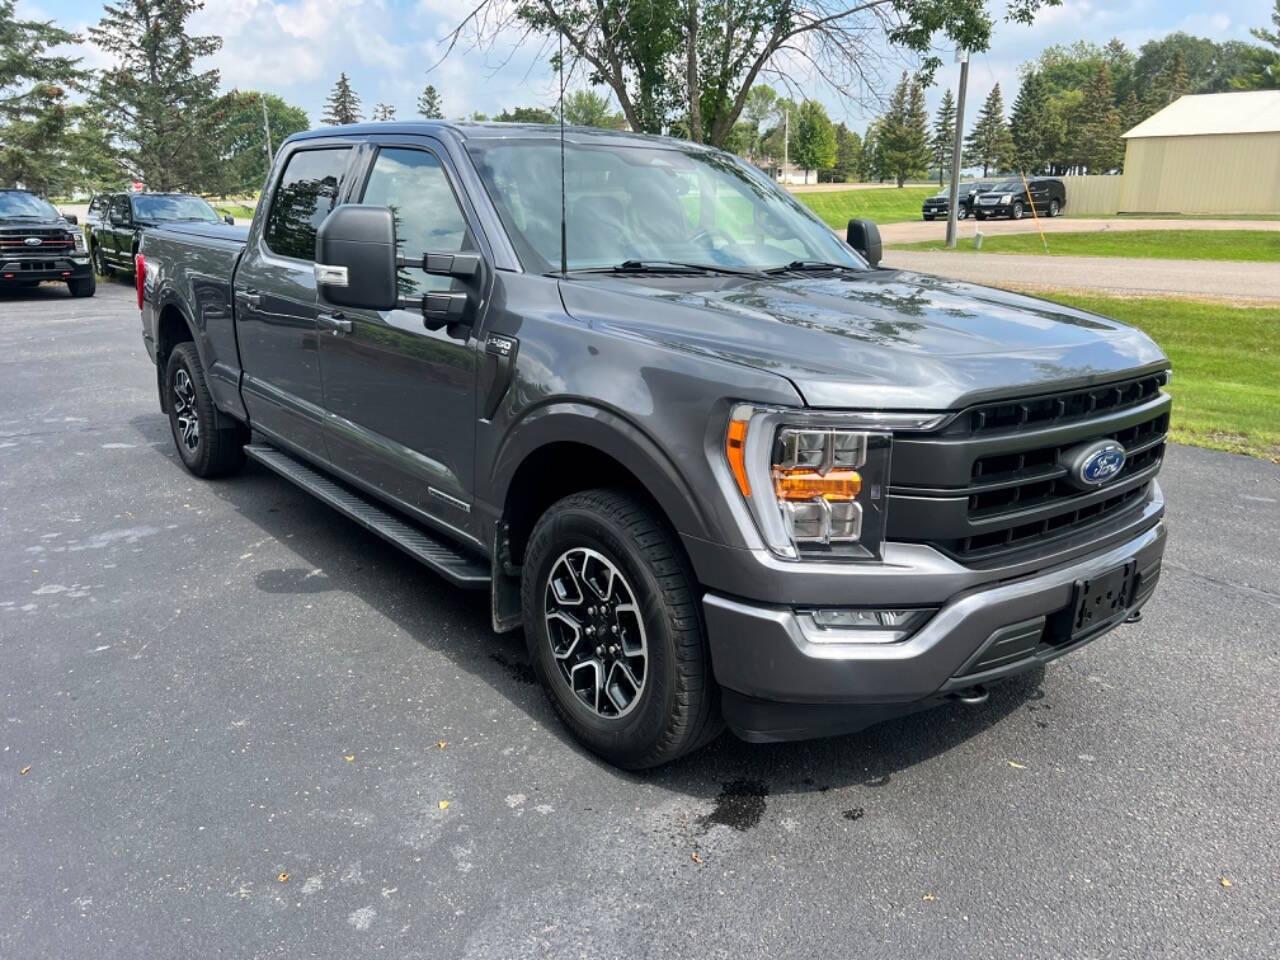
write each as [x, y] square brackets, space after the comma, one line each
[37, 243]
[116, 223]
[717, 463]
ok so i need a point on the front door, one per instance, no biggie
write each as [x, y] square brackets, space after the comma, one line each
[120, 227]
[275, 299]
[400, 397]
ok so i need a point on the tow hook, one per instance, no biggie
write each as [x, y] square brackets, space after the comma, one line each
[972, 695]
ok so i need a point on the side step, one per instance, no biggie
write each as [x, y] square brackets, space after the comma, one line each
[454, 563]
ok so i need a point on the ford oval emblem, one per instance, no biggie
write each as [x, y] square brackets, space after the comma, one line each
[33, 241]
[1091, 465]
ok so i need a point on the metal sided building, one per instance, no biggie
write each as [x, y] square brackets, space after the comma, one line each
[1213, 153]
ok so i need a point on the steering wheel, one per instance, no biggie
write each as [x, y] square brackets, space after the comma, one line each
[713, 233]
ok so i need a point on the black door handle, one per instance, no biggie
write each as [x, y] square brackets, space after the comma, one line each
[334, 322]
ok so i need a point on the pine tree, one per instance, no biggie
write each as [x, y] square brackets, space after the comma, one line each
[35, 115]
[383, 112]
[1029, 127]
[942, 143]
[1098, 125]
[904, 133]
[165, 114]
[429, 104]
[1170, 83]
[1261, 67]
[989, 144]
[872, 168]
[848, 154]
[813, 138]
[342, 106]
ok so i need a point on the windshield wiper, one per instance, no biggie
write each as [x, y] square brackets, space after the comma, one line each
[799, 266]
[675, 266]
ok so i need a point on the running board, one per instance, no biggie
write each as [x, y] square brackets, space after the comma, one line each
[454, 563]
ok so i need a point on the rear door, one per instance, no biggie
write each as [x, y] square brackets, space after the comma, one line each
[275, 297]
[400, 397]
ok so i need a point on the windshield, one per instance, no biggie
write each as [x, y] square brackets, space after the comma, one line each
[16, 203]
[982, 187]
[641, 203]
[1009, 186]
[160, 207]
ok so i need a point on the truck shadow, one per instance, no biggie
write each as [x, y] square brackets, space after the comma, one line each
[336, 553]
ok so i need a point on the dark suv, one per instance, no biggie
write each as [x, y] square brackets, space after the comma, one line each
[121, 218]
[1043, 196]
[939, 205]
[38, 243]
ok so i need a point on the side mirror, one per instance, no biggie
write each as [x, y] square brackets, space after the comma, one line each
[229, 220]
[71, 218]
[116, 219]
[864, 236]
[356, 257]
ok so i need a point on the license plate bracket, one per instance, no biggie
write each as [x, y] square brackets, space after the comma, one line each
[1102, 600]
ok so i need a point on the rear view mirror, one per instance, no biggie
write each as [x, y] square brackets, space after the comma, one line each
[864, 236]
[356, 257]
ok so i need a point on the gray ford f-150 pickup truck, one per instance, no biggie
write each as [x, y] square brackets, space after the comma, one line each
[718, 464]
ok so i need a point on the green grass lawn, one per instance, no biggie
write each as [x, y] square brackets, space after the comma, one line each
[1226, 367]
[881, 204]
[1258, 245]
[242, 213]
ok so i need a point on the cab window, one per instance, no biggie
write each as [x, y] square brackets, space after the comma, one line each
[427, 216]
[307, 191]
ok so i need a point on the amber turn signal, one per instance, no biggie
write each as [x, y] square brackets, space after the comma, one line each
[811, 485]
[735, 449]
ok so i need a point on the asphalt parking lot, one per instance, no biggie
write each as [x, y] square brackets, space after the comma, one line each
[237, 725]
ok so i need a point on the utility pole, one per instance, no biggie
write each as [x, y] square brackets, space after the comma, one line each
[266, 126]
[786, 142]
[954, 204]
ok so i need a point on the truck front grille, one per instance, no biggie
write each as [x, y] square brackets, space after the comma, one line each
[52, 242]
[991, 481]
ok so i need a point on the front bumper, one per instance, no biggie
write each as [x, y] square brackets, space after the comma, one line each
[779, 684]
[994, 210]
[58, 267]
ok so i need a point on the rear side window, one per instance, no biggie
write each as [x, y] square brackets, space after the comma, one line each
[307, 192]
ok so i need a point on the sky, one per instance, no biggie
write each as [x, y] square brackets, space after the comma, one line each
[296, 49]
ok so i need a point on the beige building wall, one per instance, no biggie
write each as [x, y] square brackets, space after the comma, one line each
[1212, 174]
[1096, 195]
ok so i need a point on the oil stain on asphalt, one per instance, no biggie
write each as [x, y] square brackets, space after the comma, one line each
[740, 806]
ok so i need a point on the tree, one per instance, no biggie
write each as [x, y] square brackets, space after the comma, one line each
[34, 108]
[429, 103]
[342, 106]
[163, 112]
[848, 166]
[527, 115]
[1030, 126]
[1170, 83]
[1260, 67]
[872, 168]
[904, 133]
[382, 113]
[989, 144]
[813, 139]
[245, 139]
[695, 61]
[586, 108]
[1098, 126]
[942, 143]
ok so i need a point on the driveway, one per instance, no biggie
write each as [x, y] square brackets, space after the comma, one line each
[237, 725]
[1208, 279]
[915, 231]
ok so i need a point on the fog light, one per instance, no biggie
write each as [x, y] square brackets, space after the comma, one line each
[848, 625]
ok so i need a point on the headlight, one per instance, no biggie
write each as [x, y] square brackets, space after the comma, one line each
[78, 240]
[1006, 198]
[816, 484]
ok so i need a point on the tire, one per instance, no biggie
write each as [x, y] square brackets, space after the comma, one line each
[83, 286]
[1054, 208]
[1016, 214]
[100, 262]
[646, 596]
[962, 214]
[930, 219]
[205, 451]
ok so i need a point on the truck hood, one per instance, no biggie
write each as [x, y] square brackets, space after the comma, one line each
[883, 339]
